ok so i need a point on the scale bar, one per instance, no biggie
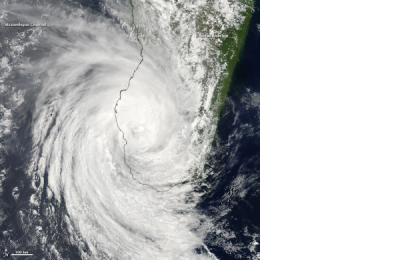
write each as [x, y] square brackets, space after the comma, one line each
[21, 254]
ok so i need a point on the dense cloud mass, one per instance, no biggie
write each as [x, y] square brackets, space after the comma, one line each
[119, 100]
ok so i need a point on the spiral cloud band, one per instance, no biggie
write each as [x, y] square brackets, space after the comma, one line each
[122, 121]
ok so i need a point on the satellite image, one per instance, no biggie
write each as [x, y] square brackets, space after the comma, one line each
[129, 129]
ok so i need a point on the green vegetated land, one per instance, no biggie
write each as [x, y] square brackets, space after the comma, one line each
[231, 50]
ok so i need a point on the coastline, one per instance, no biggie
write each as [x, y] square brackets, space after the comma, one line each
[234, 44]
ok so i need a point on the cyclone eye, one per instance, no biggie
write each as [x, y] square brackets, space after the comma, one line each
[113, 108]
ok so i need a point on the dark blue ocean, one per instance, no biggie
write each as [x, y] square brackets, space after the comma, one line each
[233, 197]
[230, 189]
